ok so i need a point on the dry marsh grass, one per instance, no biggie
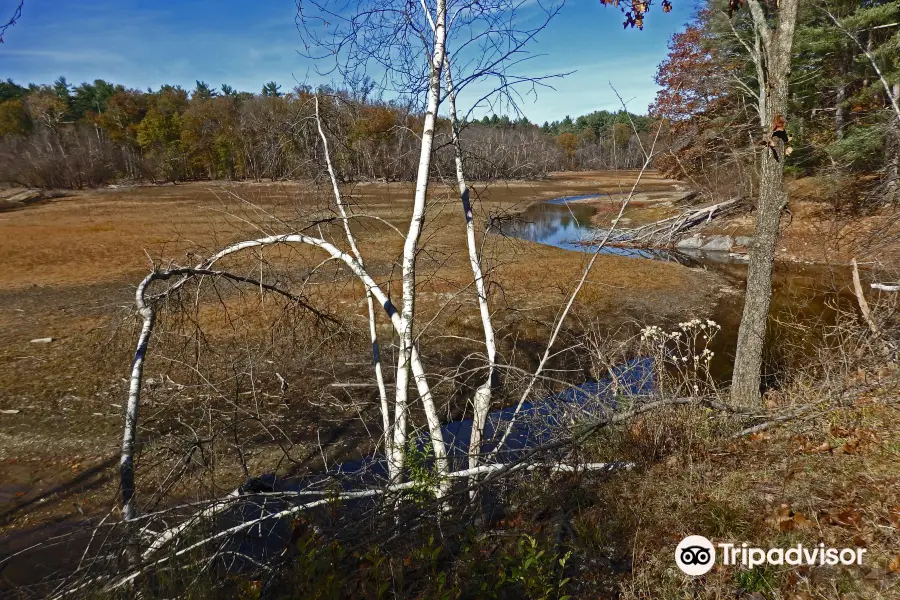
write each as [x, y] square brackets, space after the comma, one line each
[71, 264]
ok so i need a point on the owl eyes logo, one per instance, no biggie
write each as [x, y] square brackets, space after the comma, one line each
[695, 555]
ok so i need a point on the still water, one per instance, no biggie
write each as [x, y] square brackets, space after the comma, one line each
[566, 223]
[808, 294]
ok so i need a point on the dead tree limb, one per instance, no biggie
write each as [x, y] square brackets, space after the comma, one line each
[664, 233]
[861, 300]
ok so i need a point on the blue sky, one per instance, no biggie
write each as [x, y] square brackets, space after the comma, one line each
[141, 43]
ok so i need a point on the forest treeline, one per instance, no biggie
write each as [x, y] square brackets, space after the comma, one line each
[91, 134]
[841, 121]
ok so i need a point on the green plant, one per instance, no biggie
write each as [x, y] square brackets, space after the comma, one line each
[421, 472]
[536, 571]
[315, 575]
[757, 579]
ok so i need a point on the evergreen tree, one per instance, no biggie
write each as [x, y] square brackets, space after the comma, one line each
[9, 90]
[271, 90]
[92, 98]
[203, 91]
[63, 90]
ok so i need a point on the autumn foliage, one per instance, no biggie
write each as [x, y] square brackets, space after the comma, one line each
[97, 133]
[839, 118]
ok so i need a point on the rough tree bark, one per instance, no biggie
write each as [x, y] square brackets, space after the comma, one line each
[777, 42]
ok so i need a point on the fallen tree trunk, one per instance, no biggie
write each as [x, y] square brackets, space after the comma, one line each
[217, 507]
[663, 233]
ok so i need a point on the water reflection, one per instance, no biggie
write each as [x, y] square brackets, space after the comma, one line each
[566, 223]
[806, 294]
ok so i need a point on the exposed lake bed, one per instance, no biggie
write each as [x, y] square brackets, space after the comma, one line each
[74, 263]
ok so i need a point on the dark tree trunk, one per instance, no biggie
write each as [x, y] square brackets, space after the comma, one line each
[840, 112]
[745, 383]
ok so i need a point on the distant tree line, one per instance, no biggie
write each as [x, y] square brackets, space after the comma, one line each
[91, 134]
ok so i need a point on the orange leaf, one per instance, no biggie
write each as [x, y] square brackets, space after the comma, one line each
[895, 564]
[851, 445]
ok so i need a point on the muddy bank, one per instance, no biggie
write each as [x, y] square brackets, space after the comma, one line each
[812, 231]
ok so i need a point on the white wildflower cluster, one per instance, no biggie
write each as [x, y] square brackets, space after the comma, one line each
[694, 323]
[652, 332]
[683, 356]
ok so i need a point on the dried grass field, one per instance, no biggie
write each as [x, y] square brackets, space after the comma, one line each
[71, 264]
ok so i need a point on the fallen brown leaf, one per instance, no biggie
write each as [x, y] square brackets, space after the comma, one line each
[838, 432]
[895, 564]
[786, 519]
[823, 447]
[848, 517]
[894, 516]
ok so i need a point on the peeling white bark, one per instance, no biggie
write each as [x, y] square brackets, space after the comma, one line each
[482, 399]
[410, 251]
[132, 410]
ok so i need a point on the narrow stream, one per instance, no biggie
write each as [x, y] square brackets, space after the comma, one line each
[566, 223]
[800, 293]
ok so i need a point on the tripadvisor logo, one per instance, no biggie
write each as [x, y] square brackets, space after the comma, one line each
[696, 555]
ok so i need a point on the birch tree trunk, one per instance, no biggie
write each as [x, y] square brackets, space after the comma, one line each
[894, 137]
[482, 400]
[777, 44]
[132, 410]
[410, 251]
[370, 304]
[840, 111]
[145, 310]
